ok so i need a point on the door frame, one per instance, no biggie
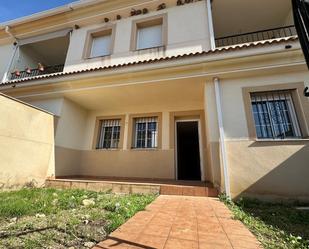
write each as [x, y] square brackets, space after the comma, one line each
[200, 146]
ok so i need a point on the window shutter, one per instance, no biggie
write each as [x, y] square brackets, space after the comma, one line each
[101, 46]
[148, 37]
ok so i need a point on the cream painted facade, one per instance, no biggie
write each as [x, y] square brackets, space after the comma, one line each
[174, 89]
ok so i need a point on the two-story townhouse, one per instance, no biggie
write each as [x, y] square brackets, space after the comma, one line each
[195, 90]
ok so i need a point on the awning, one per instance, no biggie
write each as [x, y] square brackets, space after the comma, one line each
[301, 19]
[44, 37]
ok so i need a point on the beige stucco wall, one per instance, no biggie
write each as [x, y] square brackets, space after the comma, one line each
[70, 126]
[26, 144]
[52, 105]
[181, 37]
[76, 127]
[269, 169]
[256, 168]
[157, 164]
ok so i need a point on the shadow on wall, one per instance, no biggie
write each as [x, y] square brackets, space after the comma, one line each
[287, 180]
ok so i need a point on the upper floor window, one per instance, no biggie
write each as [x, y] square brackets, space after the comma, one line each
[149, 33]
[99, 43]
[274, 115]
[109, 134]
[101, 46]
[149, 37]
[146, 132]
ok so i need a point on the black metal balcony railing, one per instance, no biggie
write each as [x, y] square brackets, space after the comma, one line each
[36, 72]
[260, 35]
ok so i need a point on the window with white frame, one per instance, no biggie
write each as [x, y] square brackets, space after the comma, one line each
[149, 35]
[109, 134]
[146, 132]
[274, 115]
[101, 44]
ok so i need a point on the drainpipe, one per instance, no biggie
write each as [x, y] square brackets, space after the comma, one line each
[222, 137]
[210, 24]
[5, 76]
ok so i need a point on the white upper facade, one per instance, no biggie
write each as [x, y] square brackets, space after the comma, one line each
[149, 30]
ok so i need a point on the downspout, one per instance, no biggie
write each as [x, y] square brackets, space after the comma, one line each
[5, 76]
[210, 25]
[222, 137]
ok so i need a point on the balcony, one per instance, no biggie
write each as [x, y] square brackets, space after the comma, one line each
[36, 72]
[260, 35]
[41, 55]
[242, 21]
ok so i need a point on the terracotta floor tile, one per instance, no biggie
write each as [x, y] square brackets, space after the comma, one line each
[180, 222]
[210, 228]
[160, 222]
[149, 242]
[207, 245]
[180, 232]
[157, 230]
[113, 244]
[189, 191]
[171, 190]
[180, 244]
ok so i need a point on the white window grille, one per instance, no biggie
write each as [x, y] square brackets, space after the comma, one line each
[109, 135]
[146, 132]
[274, 115]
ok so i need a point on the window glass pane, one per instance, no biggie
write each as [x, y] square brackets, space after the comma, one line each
[101, 46]
[110, 134]
[148, 37]
[273, 112]
[146, 132]
[107, 137]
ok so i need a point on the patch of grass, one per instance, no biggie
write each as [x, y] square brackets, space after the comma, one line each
[30, 218]
[276, 225]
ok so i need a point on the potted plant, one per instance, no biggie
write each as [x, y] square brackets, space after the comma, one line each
[17, 73]
[28, 70]
[41, 67]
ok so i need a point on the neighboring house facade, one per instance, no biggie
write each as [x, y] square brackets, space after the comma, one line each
[177, 90]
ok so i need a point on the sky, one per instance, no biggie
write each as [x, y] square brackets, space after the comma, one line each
[12, 9]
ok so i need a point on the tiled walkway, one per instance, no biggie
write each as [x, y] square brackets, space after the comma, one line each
[180, 222]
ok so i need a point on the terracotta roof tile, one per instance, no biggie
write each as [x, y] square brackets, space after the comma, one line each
[217, 50]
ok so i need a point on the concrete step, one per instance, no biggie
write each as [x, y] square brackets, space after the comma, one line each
[188, 190]
[135, 187]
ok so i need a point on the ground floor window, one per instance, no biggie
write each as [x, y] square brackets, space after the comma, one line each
[274, 115]
[146, 132]
[109, 134]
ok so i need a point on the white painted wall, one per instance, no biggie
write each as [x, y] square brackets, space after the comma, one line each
[26, 57]
[187, 33]
[71, 126]
[234, 118]
[233, 105]
[70, 122]
[5, 56]
[53, 106]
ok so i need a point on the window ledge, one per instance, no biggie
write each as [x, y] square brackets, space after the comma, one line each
[112, 149]
[161, 47]
[145, 149]
[282, 140]
[98, 57]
